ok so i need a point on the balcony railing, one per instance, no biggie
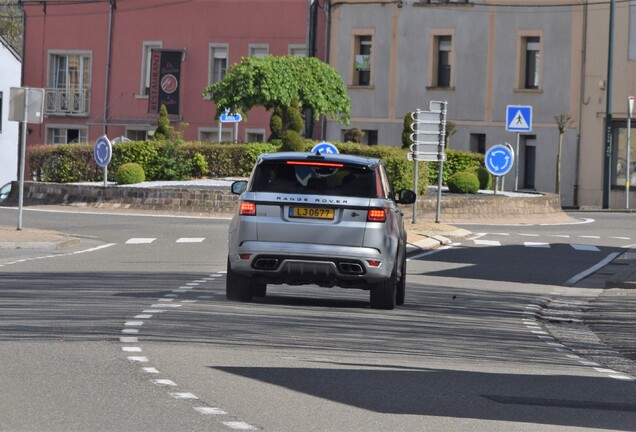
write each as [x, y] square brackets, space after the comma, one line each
[64, 102]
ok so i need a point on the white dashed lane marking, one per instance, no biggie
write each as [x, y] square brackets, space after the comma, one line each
[130, 344]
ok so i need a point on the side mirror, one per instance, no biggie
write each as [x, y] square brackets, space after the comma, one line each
[406, 196]
[239, 186]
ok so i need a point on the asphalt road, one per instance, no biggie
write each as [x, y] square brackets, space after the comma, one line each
[137, 335]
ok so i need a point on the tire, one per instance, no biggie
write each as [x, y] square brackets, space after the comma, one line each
[383, 295]
[400, 292]
[259, 289]
[237, 287]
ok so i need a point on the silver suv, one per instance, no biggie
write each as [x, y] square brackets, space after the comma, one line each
[325, 219]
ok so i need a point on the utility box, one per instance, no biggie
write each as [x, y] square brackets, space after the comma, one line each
[33, 98]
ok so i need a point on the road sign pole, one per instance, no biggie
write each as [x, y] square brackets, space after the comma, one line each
[415, 177]
[442, 156]
[22, 158]
[517, 164]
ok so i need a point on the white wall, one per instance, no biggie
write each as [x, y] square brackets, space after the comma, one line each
[9, 137]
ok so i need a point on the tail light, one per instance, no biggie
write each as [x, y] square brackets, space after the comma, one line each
[247, 208]
[376, 215]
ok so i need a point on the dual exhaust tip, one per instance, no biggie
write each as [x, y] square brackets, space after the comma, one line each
[345, 267]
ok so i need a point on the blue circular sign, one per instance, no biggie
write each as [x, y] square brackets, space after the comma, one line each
[325, 148]
[499, 160]
[103, 151]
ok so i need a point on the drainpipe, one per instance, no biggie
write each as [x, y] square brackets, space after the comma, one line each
[112, 6]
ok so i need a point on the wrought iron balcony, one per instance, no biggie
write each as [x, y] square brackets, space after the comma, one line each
[68, 102]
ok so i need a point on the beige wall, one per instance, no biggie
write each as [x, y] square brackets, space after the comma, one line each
[594, 98]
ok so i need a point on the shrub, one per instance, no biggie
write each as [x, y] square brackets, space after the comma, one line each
[294, 118]
[171, 163]
[276, 125]
[145, 153]
[164, 128]
[63, 163]
[484, 176]
[292, 141]
[199, 165]
[407, 131]
[456, 161]
[463, 182]
[130, 173]
[354, 135]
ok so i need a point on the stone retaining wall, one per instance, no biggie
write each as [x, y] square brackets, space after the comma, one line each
[179, 200]
[454, 208]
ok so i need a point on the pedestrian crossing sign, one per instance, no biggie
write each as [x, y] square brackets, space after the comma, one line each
[518, 118]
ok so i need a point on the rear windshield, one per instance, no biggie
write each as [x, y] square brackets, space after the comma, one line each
[340, 179]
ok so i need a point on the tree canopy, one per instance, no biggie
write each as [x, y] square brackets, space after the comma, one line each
[11, 24]
[273, 81]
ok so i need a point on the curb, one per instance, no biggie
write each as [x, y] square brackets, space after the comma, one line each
[428, 243]
[43, 245]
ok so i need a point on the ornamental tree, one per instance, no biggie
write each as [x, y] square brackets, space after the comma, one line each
[274, 81]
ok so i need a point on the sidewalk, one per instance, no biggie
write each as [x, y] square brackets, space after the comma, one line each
[31, 238]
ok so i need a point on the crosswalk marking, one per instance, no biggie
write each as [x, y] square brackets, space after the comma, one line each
[149, 240]
[536, 244]
[544, 245]
[582, 247]
[488, 242]
[140, 240]
[191, 240]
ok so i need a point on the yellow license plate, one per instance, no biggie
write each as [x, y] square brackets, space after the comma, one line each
[311, 212]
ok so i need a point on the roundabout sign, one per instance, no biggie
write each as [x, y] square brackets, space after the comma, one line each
[325, 148]
[103, 152]
[499, 160]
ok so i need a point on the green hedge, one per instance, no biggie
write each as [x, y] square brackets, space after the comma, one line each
[463, 182]
[75, 163]
[456, 161]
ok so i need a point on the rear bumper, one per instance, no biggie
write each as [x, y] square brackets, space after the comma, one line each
[300, 263]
